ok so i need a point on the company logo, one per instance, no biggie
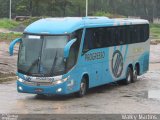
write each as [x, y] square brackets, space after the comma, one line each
[117, 64]
[94, 56]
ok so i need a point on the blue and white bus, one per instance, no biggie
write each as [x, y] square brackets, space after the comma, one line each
[70, 55]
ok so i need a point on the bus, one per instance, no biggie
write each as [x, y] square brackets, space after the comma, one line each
[59, 56]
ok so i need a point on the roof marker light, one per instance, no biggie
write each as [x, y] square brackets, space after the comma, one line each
[34, 37]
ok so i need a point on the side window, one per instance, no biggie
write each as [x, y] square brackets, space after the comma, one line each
[108, 37]
[127, 35]
[73, 54]
[132, 34]
[117, 39]
[136, 34]
[142, 33]
[100, 37]
[92, 39]
[146, 31]
[88, 43]
[113, 36]
[121, 35]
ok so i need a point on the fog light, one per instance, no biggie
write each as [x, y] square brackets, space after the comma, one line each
[20, 88]
[59, 90]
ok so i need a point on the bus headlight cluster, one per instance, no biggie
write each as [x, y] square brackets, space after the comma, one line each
[60, 81]
[20, 80]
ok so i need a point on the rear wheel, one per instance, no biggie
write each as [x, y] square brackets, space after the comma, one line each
[135, 74]
[129, 76]
[83, 88]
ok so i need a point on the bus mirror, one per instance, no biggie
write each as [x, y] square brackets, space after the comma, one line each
[12, 44]
[68, 47]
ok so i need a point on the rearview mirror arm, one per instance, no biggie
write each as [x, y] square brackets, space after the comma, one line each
[12, 44]
[68, 47]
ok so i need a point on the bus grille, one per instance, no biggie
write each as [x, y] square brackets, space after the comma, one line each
[38, 83]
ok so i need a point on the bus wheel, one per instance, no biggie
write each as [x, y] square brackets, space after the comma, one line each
[135, 74]
[83, 88]
[129, 76]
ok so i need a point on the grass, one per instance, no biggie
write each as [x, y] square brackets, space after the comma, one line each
[31, 20]
[9, 36]
[8, 24]
[155, 31]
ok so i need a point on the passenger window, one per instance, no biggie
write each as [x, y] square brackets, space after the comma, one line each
[92, 40]
[108, 37]
[127, 35]
[121, 35]
[88, 44]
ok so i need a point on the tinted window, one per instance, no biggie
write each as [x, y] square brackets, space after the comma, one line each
[114, 36]
[73, 54]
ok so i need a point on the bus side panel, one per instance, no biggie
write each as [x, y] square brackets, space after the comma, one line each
[99, 68]
[138, 53]
[144, 58]
[92, 63]
[131, 54]
[75, 77]
[118, 61]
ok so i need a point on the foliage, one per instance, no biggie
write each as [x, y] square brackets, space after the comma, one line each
[147, 9]
[9, 36]
[8, 24]
[31, 20]
[155, 31]
[102, 13]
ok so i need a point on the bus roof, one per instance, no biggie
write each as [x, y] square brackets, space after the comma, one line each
[70, 24]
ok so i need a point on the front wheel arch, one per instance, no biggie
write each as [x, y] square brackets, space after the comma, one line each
[84, 80]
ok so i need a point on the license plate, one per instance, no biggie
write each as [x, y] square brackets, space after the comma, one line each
[38, 90]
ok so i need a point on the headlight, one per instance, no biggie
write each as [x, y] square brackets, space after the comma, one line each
[20, 80]
[60, 81]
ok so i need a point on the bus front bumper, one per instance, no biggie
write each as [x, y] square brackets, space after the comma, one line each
[59, 89]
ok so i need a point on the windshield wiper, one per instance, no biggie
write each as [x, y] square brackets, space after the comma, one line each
[33, 64]
[54, 63]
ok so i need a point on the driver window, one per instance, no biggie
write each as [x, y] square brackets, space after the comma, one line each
[73, 55]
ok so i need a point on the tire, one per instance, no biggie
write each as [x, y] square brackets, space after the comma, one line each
[129, 76]
[83, 88]
[135, 74]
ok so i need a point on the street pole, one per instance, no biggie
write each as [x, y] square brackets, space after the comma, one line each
[10, 10]
[86, 8]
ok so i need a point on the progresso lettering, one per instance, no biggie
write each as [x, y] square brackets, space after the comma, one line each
[94, 56]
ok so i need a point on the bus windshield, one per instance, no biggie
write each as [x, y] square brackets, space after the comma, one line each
[42, 55]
